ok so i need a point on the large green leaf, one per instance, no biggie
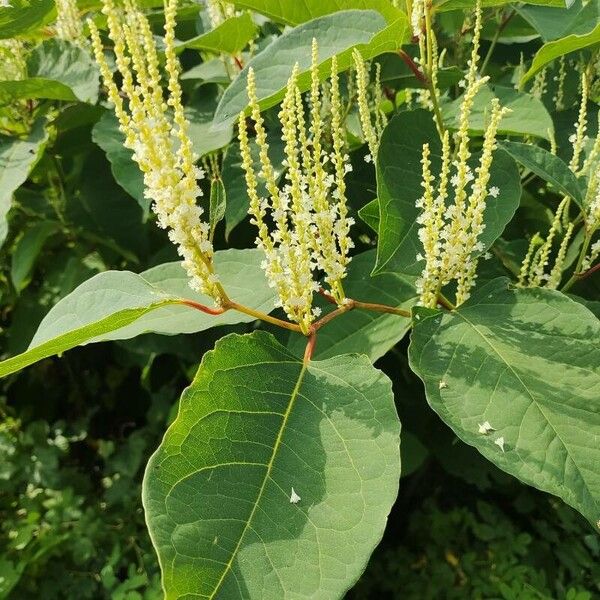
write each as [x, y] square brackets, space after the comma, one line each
[399, 188]
[553, 23]
[547, 166]
[276, 478]
[553, 50]
[121, 305]
[527, 362]
[21, 17]
[529, 116]
[16, 159]
[127, 174]
[360, 331]
[58, 70]
[336, 34]
[294, 13]
[231, 37]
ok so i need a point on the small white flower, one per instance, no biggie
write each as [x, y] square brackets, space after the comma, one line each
[443, 385]
[368, 158]
[485, 428]
[494, 191]
[500, 443]
[294, 498]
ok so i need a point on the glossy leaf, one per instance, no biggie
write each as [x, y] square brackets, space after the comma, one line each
[336, 34]
[399, 188]
[230, 37]
[126, 172]
[529, 116]
[276, 479]
[121, 305]
[555, 49]
[527, 363]
[58, 70]
[294, 13]
[547, 166]
[369, 214]
[17, 157]
[360, 331]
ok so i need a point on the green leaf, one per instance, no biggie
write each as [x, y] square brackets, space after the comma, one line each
[58, 70]
[529, 116]
[256, 429]
[360, 331]
[547, 166]
[206, 136]
[22, 17]
[118, 305]
[127, 174]
[369, 213]
[231, 37]
[527, 362]
[17, 157]
[399, 188]
[446, 5]
[294, 13]
[218, 202]
[554, 23]
[27, 250]
[553, 50]
[336, 34]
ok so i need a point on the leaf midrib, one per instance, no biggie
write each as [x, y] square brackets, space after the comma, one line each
[276, 445]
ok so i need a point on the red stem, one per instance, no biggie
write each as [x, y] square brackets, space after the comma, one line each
[410, 63]
[203, 308]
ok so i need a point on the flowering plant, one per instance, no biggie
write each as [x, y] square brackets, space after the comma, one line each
[384, 165]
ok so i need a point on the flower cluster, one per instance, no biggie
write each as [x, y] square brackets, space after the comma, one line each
[534, 272]
[450, 232]
[68, 23]
[219, 11]
[535, 269]
[310, 231]
[157, 131]
[372, 118]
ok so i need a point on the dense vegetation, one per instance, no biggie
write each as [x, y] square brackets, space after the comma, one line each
[362, 237]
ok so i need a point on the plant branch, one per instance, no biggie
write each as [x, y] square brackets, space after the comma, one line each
[257, 314]
[382, 308]
[203, 308]
[410, 63]
[310, 347]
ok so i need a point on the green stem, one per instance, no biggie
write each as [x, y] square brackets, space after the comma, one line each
[494, 42]
[577, 272]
